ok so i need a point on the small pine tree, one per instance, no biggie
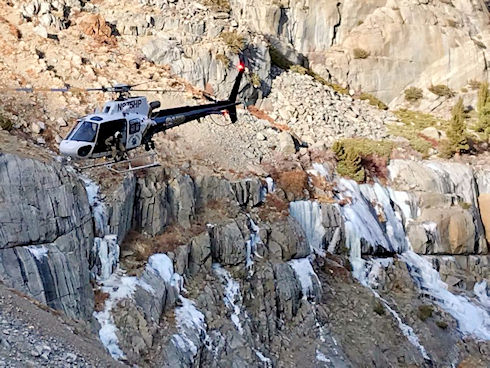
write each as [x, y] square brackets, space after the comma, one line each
[483, 96]
[349, 162]
[483, 108]
[456, 132]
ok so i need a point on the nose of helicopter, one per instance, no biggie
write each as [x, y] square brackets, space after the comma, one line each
[75, 149]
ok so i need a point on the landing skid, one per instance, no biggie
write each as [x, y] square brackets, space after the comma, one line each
[125, 166]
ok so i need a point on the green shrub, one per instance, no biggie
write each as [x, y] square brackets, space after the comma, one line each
[218, 5]
[360, 53]
[465, 205]
[464, 89]
[373, 100]
[278, 59]
[255, 79]
[441, 324]
[474, 84]
[425, 311]
[235, 41]
[353, 153]
[299, 69]
[456, 133]
[413, 123]
[5, 122]
[442, 90]
[413, 94]
[223, 59]
[480, 44]
[378, 308]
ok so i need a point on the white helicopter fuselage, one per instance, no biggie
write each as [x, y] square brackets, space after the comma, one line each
[88, 138]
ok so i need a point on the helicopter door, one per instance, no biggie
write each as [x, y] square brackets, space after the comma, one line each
[108, 129]
[134, 133]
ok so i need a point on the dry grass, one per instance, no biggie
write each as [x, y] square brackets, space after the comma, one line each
[360, 53]
[295, 182]
[99, 300]
[273, 209]
[442, 90]
[173, 237]
[234, 41]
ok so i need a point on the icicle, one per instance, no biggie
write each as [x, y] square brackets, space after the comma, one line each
[306, 275]
[309, 216]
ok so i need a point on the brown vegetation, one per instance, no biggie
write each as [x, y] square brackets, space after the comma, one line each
[295, 182]
[99, 300]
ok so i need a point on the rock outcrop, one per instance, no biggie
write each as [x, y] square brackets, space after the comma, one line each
[405, 42]
[46, 233]
[449, 219]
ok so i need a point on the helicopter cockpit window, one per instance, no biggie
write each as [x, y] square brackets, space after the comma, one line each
[134, 126]
[86, 132]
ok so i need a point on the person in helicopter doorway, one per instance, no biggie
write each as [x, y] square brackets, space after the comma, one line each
[116, 145]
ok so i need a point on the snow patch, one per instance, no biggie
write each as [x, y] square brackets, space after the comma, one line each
[321, 357]
[251, 245]
[39, 252]
[162, 265]
[191, 325]
[232, 297]
[118, 287]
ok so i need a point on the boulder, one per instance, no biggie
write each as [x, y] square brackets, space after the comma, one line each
[286, 143]
[484, 204]
[227, 244]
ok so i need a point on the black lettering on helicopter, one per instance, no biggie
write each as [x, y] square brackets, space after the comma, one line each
[131, 104]
[175, 119]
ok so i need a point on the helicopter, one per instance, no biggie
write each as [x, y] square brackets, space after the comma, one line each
[134, 122]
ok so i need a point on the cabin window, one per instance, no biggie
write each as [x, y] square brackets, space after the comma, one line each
[134, 126]
[86, 132]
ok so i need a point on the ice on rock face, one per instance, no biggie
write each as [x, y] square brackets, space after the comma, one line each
[471, 318]
[99, 211]
[306, 275]
[191, 325]
[270, 184]
[232, 297]
[39, 252]
[480, 290]
[251, 244]
[309, 216]
[118, 287]
[106, 251]
[162, 265]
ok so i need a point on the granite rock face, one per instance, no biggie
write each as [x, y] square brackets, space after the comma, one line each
[46, 232]
[449, 219]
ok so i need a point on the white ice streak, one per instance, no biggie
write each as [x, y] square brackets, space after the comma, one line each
[306, 275]
[99, 210]
[321, 357]
[251, 244]
[309, 216]
[232, 296]
[38, 251]
[406, 329]
[118, 287]
[471, 318]
[267, 362]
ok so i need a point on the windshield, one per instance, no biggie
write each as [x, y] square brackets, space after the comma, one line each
[86, 132]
